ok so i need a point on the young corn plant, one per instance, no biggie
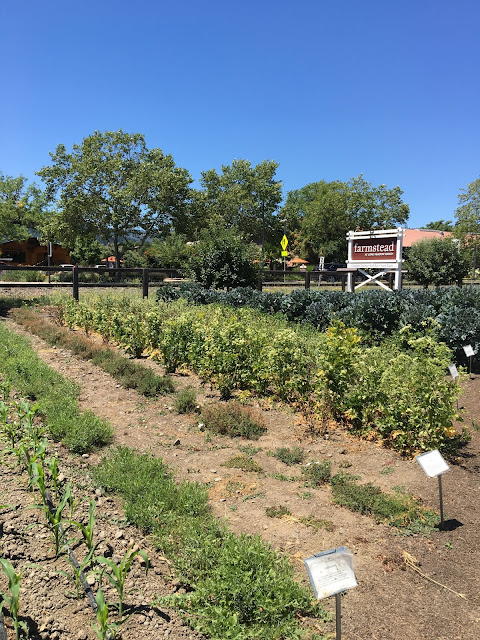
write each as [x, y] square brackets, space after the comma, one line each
[87, 529]
[11, 599]
[117, 573]
[104, 630]
[31, 457]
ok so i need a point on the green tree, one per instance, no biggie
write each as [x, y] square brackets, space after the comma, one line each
[320, 214]
[467, 214]
[222, 258]
[86, 251]
[113, 187]
[21, 207]
[243, 197]
[171, 252]
[436, 261]
[440, 225]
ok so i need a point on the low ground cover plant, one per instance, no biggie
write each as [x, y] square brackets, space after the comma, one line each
[400, 510]
[289, 456]
[56, 397]
[186, 400]
[215, 565]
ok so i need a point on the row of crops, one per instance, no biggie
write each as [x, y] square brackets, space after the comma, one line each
[375, 314]
[394, 389]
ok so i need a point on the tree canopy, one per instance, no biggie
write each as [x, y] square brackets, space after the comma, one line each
[320, 214]
[113, 187]
[21, 207]
[243, 197]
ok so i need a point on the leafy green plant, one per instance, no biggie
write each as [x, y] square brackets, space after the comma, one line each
[289, 456]
[186, 400]
[116, 574]
[234, 420]
[316, 473]
[87, 530]
[11, 599]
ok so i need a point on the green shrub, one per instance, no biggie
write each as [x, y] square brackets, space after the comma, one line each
[234, 420]
[186, 400]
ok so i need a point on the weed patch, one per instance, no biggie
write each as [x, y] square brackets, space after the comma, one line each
[278, 512]
[243, 462]
[234, 420]
[316, 473]
[295, 455]
[186, 400]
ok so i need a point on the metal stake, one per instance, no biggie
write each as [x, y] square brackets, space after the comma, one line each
[338, 616]
[440, 492]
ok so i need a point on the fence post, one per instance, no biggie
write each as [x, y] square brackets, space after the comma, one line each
[259, 282]
[145, 273]
[307, 279]
[75, 282]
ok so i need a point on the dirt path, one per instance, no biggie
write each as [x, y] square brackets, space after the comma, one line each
[390, 602]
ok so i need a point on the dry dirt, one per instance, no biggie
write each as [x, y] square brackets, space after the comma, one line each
[391, 602]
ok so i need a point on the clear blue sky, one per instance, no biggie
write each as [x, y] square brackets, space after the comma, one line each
[328, 89]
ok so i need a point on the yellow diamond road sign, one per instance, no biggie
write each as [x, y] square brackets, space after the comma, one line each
[284, 242]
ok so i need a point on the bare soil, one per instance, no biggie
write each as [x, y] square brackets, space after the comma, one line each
[391, 602]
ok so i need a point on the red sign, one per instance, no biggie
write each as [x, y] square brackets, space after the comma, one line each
[371, 249]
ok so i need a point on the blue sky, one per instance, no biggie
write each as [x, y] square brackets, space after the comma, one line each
[328, 89]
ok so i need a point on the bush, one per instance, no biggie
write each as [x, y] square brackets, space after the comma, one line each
[437, 261]
[222, 258]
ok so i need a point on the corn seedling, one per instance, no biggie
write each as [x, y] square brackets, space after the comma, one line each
[29, 458]
[12, 598]
[104, 629]
[118, 572]
[77, 575]
[87, 529]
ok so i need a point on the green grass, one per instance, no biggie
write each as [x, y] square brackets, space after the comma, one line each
[316, 473]
[57, 398]
[236, 586]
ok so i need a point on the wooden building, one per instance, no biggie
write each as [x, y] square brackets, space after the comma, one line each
[31, 253]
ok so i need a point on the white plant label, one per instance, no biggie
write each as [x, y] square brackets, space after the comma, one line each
[433, 463]
[469, 350]
[453, 371]
[331, 572]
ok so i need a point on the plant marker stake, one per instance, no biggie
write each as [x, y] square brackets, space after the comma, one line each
[331, 574]
[433, 465]
[338, 616]
[440, 493]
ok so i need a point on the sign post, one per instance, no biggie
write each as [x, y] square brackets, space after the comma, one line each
[454, 373]
[469, 352]
[284, 245]
[380, 249]
[331, 574]
[433, 464]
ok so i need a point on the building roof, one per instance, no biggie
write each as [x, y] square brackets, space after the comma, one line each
[410, 236]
